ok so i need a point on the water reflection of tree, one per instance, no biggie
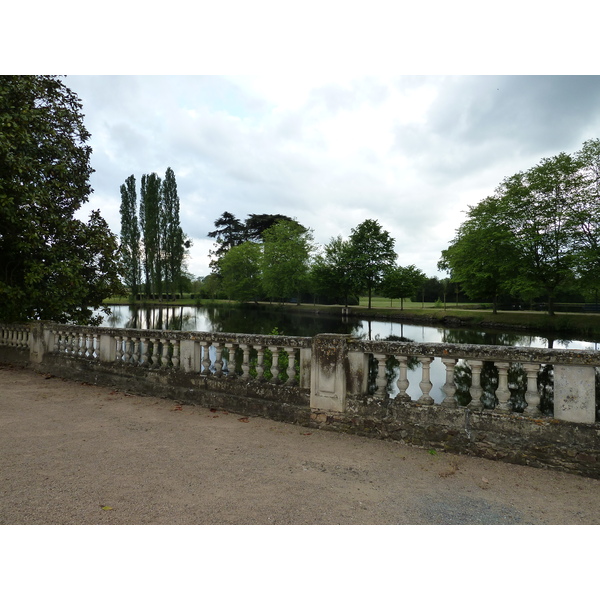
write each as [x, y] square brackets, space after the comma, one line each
[489, 338]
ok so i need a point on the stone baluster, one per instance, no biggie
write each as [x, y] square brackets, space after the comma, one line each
[218, 359]
[127, 349]
[144, 348]
[260, 363]
[155, 357]
[403, 382]
[230, 368]
[164, 353]
[56, 345]
[135, 351]
[476, 390]
[449, 387]
[245, 361]
[275, 364]
[532, 395]
[503, 393]
[381, 380]
[425, 384]
[61, 341]
[175, 357]
[291, 369]
[205, 357]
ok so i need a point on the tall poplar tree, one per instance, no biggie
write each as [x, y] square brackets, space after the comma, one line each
[150, 227]
[171, 234]
[130, 236]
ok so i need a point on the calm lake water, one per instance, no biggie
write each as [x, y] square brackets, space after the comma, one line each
[265, 319]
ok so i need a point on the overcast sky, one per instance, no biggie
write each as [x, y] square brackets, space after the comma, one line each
[410, 151]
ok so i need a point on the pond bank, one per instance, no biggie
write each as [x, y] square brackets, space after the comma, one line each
[585, 326]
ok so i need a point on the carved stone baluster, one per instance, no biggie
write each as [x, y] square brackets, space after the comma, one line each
[164, 353]
[155, 357]
[231, 361]
[403, 382]
[425, 384]
[260, 363]
[503, 393]
[291, 369]
[118, 340]
[127, 349]
[476, 390]
[56, 348]
[205, 357]
[219, 359]
[144, 348]
[245, 361]
[381, 381]
[449, 388]
[532, 395]
[175, 357]
[275, 364]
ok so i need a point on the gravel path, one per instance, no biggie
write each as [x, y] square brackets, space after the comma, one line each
[72, 453]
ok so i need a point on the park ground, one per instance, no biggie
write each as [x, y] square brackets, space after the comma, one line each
[78, 454]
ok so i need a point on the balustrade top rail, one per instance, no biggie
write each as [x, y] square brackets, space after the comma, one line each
[478, 352]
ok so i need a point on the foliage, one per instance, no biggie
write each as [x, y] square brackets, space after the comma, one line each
[52, 265]
[163, 241]
[402, 282]
[482, 258]
[537, 235]
[329, 274]
[286, 255]
[150, 226]
[130, 249]
[241, 272]
[372, 253]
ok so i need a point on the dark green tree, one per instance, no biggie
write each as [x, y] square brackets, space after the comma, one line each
[539, 208]
[229, 232]
[241, 272]
[52, 265]
[402, 282]
[286, 255]
[330, 275]
[372, 253]
[130, 249]
[483, 255]
[173, 240]
[256, 225]
[150, 213]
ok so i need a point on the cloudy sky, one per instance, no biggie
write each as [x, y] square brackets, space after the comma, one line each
[331, 151]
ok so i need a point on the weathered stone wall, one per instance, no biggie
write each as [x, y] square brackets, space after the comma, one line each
[336, 399]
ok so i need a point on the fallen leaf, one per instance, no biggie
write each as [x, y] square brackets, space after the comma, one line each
[307, 433]
[106, 507]
[213, 409]
[215, 416]
[243, 419]
[178, 407]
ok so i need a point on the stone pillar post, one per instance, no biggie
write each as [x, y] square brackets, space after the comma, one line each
[329, 372]
[108, 348]
[36, 343]
[574, 393]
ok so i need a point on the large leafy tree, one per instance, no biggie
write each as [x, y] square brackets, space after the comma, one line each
[402, 282]
[130, 236]
[241, 272]
[52, 265]
[286, 254]
[372, 253]
[482, 258]
[540, 209]
[330, 275]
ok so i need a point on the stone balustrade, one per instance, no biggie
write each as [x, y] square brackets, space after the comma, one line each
[462, 398]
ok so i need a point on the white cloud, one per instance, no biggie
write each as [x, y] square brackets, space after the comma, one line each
[412, 152]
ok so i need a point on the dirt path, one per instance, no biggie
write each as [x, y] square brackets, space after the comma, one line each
[77, 454]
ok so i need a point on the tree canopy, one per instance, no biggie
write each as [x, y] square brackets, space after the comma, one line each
[52, 265]
[538, 234]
